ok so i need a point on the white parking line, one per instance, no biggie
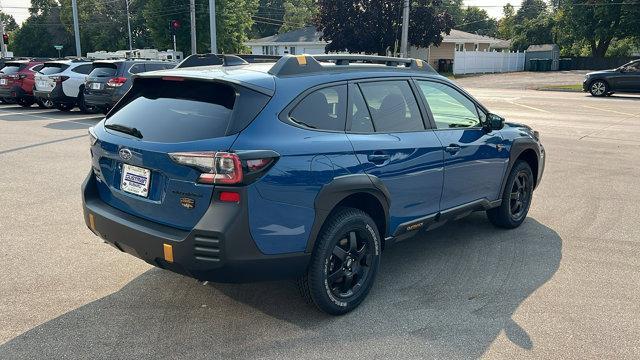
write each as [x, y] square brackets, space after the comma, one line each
[612, 111]
[529, 107]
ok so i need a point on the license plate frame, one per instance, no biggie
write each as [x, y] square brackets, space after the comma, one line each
[135, 180]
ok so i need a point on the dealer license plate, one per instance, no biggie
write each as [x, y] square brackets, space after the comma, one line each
[96, 86]
[3, 81]
[135, 180]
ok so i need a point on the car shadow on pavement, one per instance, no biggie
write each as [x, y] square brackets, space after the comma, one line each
[447, 294]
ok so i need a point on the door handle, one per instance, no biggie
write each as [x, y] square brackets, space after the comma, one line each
[452, 149]
[378, 158]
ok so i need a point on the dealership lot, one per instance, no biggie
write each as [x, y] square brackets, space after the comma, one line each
[565, 284]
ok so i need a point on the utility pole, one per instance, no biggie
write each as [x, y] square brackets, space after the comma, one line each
[3, 47]
[76, 27]
[212, 26]
[192, 10]
[129, 26]
[405, 29]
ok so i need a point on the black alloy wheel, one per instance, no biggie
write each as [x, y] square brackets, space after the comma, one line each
[516, 197]
[599, 88]
[344, 262]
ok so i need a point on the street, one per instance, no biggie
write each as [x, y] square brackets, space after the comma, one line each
[564, 284]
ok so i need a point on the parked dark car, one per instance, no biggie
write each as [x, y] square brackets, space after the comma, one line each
[17, 80]
[111, 79]
[304, 168]
[624, 79]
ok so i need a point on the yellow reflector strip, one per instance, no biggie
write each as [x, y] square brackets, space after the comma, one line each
[302, 60]
[419, 62]
[168, 252]
[92, 222]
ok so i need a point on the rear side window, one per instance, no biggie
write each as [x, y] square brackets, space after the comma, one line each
[104, 70]
[392, 106]
[136, 68]
[83, 69]
[152, 67]
[49, 69]
[323, 109]
[37, 67]
[180, 111]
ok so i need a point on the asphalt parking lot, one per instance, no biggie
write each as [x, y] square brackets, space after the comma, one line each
[566, 284]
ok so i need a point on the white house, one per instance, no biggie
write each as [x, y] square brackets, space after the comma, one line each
[307, 41]
[301, 41]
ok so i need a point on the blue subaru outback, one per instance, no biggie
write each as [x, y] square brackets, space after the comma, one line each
[306, 167]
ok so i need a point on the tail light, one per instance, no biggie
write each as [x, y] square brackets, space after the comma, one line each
[59, 79]
[117, 81]
[226, 168]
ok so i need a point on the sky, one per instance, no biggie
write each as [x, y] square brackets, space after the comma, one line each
[19, 8]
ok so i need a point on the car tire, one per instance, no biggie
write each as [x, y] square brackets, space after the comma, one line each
[64, 107]
[516, 198]
[344, 263]
[599, 88]
[82, 105]
[45, 104]
[25, 102]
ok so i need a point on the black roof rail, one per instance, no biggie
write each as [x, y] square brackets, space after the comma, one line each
[211, 59]
[255, 58]
[304, 64]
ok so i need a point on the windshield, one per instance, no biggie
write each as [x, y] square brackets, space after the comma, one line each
[103, 70]
[176, 111]
[49, 69]
[11, 69]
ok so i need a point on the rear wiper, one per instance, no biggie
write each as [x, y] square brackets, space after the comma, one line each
[125, 129]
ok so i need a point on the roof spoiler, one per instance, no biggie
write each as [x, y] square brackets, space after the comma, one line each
[304, 64]
[211, 59]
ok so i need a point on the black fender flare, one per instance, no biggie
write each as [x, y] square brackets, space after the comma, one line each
[518, 146]
[332, 193]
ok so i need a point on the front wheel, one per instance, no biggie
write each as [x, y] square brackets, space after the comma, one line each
[25, 102]
[516, 198]
[599, 88]
[344, 264]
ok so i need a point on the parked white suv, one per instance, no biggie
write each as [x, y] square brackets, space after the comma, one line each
[62, 82]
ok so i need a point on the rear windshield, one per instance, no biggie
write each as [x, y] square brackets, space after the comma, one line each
[177, 111]
[10, 69]
[103, 70]
[49, 69]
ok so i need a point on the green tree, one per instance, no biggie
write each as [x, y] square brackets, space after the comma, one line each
[599, 22]
[455, 8]
[41, 31]
[268, 18]
[529, 10]
[533, 32]
[8, 21]
[477, 21]
[234, 19]
[298, 14]
[507, 22]
[373, 26]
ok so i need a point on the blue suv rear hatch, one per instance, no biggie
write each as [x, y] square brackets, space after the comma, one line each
[139, 150]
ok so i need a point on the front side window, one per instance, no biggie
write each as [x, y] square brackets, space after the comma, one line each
[449, 107]
[323, 109]
[392, 106]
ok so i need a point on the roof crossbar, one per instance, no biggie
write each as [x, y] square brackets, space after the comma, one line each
[304, 64]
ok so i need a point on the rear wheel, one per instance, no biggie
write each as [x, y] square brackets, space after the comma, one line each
[516, 198]
[599, 88]
[344, 264]
[45, 103]
[82, 105]
[64, 106]
[25, 102]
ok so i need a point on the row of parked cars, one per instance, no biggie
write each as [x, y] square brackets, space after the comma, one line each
[92, 86]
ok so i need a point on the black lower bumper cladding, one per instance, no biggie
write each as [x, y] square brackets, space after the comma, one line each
[219, 248]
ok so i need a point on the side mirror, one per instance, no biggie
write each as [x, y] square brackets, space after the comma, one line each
[494, 122]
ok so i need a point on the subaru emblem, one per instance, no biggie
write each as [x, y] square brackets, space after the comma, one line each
[125, 154]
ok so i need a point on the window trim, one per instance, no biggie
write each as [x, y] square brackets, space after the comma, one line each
[285, 114]
[426, 117]
[479, 107]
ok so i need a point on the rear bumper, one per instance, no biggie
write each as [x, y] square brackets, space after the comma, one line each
[104, 100]
[219, 248]
[16, 92]
[56, 95]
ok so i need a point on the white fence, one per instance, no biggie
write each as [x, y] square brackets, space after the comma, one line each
[473, 62]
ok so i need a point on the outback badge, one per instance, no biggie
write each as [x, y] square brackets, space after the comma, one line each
[188, 203]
